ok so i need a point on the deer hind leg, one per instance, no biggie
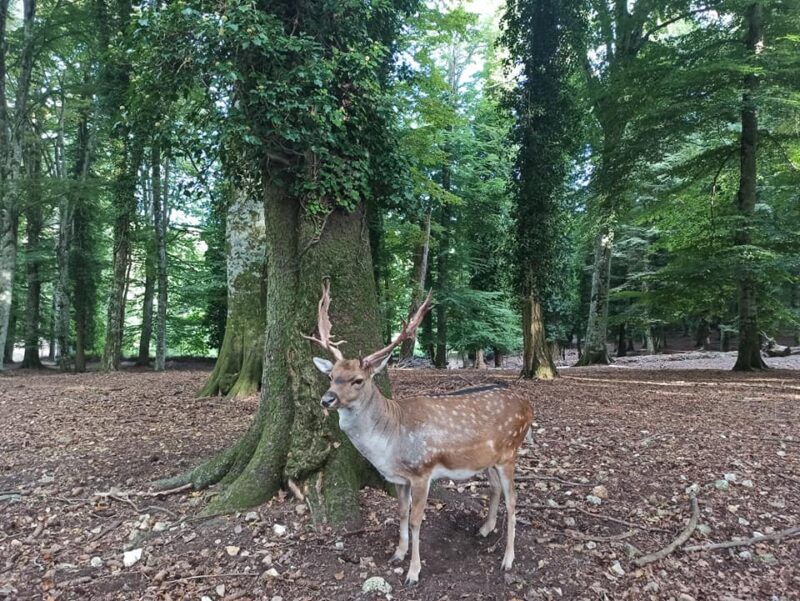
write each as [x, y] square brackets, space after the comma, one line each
[419, 498]
[494, 502]
[506, 474]
[404, 503]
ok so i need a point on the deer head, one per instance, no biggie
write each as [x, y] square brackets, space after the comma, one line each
[352, 379]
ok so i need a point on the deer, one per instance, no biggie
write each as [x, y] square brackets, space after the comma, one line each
[416, 440]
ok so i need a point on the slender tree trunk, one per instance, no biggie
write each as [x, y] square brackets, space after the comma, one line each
[749, 355]
[537, 361]
[52, 347]
[12, 130]
[498, 358]
[33, 215]
[595, 350]
[161, 224]
[622, 349]
[146, 336]
[418, 282]
[237, 372]
[8, 351]
[442, 282]
[125, 208]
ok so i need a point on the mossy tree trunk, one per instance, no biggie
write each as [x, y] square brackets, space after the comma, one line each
[237, 372]
[290, 438]
[537, 359]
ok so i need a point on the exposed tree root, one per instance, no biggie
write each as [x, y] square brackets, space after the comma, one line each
[681, 538]
[775, 536]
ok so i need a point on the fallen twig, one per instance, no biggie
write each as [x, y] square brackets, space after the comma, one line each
[600, 539]
[553, 478]
[106, 530]
[682, 537]
[203, 576]
[164, 493]
[609, 518]
[774, 536]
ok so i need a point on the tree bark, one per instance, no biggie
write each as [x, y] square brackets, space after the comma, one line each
[290, 438]
[125, 209]
[33, 231]
[11, 142]
[237, 372]
[418, 281]
[442, 282]
[749, 352]
[161, 224]
[537, 361]
[595, 350]
[622, 347]
[149, 275]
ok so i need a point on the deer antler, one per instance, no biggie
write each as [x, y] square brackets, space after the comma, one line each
[407, 332]
[324, 324]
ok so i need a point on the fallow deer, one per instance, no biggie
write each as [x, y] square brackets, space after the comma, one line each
[423, 438]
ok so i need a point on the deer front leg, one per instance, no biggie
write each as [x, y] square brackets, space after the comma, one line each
[506, 473]
[494, 502]
[419, 498]
[404, 503]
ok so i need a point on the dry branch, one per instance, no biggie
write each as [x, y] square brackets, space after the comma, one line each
[682, 538]
[775, 536]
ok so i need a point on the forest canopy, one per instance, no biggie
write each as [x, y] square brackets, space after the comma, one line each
[562, 173]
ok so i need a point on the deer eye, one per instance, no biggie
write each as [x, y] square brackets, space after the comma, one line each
[358, 381]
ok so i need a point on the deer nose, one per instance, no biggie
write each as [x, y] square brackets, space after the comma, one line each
[328, 399]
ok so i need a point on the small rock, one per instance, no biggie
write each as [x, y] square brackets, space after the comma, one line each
[237, 529]
[206, 598]
[569, 522]
[617, 569]
[767, 558]
[220, 590]
[685, 597]
[270, 574]
[743, 522]
[47, 479]
[339, 545]
[722, 485]
[552, 503]
[600, 491]
[693, 489]
[252, 516]
[745, 555]
[594, 499]
[129, 558]
[279, 529]
[160, 526]
[376, 584]
[591, 545]
[231, 550]
[300, 509]
[277, 598]
[651, 587]
[747, 483]
[704, 529]
[96, 562]
[730, 477]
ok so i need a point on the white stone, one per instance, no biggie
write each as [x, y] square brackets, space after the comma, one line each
[96, 562]
[279, 529]
[617, 569]
[129, 558]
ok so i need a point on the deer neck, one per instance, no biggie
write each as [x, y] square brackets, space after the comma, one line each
[373, 427]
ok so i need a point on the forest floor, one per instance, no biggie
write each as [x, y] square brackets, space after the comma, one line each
[77, 453]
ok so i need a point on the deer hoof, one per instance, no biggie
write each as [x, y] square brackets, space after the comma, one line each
[412, 580]
[397, 557]
[508, 563]
[486, 530]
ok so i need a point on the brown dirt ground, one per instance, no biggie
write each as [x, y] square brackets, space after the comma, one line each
[645, 435]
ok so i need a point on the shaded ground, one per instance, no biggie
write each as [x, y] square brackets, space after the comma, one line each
[645, 435]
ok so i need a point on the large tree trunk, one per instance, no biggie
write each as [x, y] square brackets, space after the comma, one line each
[237, 372]
[595, 350]
[749, 356]
[290, 438]
[146, 336]
[418, 282]
[537, 360]
[161, 225]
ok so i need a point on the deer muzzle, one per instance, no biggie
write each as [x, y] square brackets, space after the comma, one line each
[329, 400]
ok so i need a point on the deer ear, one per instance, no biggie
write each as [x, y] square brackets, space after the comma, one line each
[381, 366]
[323, 365]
